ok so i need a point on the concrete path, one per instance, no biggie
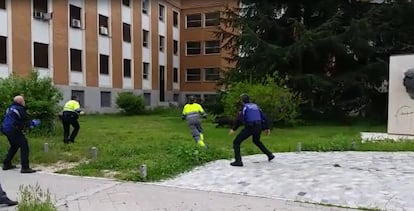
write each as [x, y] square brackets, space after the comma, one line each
[353, 179]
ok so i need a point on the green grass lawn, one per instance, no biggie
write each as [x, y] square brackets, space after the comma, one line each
[163, 142]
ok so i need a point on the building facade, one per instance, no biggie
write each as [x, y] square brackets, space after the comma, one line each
[164, 50]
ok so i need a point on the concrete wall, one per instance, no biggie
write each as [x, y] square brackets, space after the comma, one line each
[400, 105]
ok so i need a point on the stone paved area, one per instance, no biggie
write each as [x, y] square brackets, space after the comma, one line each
[376, 180]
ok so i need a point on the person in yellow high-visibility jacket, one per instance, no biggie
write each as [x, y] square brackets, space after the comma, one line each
[192, 112]
[70, 116]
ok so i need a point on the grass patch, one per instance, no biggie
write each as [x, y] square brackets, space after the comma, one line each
[33, 198]
[163, 142]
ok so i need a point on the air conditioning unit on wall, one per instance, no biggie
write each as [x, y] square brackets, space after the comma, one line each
[76, 23]
[47, 16]
[103, 30]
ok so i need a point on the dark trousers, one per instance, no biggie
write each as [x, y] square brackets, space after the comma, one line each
[254, 131]
[17, 140]
[68, 119]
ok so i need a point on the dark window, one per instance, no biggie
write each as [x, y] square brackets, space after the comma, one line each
[41, 55]
[212, 47]
[3, 50]
[126, 32]
[126, 2]
[75, 60]
[147, 98]
[193, 48]
[40, 6]
[210, 98]
[145, 6]
[105, 99]
[127, 68]
[212, 74]
[145, 38]
[75, 16]
[161, 11]
[175, 47]
[162, 43]
[104, 64]
[80, 94]
[145, 70]
[103, 25]
[175, 19]
[193, 20]
[194, 74]
[176, 97]
[175, 75]
[2, 4]
[162, 70]
[212, 19]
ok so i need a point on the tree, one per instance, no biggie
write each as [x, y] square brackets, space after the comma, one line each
[334, 52]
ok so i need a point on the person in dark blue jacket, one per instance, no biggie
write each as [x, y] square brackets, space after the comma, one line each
[254, 122]
[15, 121]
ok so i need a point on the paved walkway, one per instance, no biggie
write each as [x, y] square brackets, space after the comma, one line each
[353, 179]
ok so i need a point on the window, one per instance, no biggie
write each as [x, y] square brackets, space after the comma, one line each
[75, 16]
[147, 99]
[104, 64]
[176, 97]
[145, 70]
[145, 6]
[175, 75]
[193, 48]
[127, 68]
[212, 74]
[212, 47]
[194, 74]
[105, 99]
[103, 25]
[212, 19]
[3, 50]
[75, 60]
[126, 28]
[175, 19]
[145, 38]
[2, 4]
[40, 6]
[175, 47]
[80, 94]
[161, 11]
[126, 2]
[162, 43]
[41, 55]
[193, 20]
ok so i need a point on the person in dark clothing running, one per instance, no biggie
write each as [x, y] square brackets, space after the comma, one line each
[254, 121]
[15, 121]
[70, 116]
[5, 200]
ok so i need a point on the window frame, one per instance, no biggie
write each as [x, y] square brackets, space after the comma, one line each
[175, 19]
[71, 51]
[145, 70]
[126, 3]
[106, 102]
[145, 39]
[187, 75]
[145, 4]
[206, 48]
[161, 43]
[103, 21]
[3, 53]
[161, 12]
[187, 48]
[175, 47]
[102, 58]
[72, 15]
[38, 61]
[126, 32]
[3, 5]
[127, 69]
[213, 20]
[175, 75]
[206, 75]
[193, 21]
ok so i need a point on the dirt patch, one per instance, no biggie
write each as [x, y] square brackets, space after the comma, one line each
[55, 167]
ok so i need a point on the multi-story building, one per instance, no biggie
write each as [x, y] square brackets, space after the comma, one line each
[162, 49]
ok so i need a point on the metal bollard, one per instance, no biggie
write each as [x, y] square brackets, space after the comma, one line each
[353, 145]
[94, 152]
[46, 147]
[143, 171]
[299, 147]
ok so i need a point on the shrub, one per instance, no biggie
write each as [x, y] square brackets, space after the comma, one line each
[130, 104]
[279, 103]
[35, 199]
[42, 98]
